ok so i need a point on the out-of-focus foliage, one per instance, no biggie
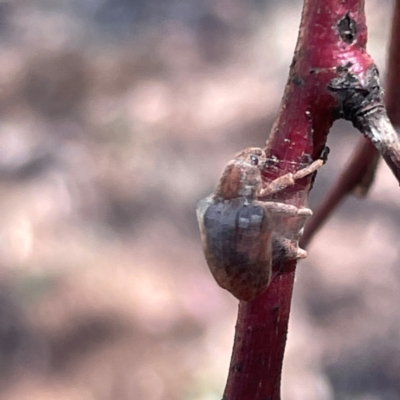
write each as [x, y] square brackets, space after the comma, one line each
[115, 117]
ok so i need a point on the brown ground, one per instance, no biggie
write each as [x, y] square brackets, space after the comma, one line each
[116, 117]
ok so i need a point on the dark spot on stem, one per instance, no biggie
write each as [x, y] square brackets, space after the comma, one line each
[297, 80]
[347, 29]
[344, 68]
[237, 367]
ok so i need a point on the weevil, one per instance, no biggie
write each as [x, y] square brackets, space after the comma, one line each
[241, 233]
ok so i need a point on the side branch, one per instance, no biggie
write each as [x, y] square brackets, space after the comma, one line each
[356, 178]
[358, 174]
[376, 126]
[360, 100]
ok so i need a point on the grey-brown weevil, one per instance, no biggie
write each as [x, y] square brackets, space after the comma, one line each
[239, 231]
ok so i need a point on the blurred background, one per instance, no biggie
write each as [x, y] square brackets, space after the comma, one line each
[116, 116]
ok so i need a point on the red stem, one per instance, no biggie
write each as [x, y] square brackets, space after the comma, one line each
[358, 174]
[298, 136]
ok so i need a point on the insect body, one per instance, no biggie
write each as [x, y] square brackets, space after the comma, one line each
[238, 230]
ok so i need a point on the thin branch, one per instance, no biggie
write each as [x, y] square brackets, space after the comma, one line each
[375, 125]
[357, 178]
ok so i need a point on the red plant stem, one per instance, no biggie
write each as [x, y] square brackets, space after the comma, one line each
[298, 137]
[358, 174]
